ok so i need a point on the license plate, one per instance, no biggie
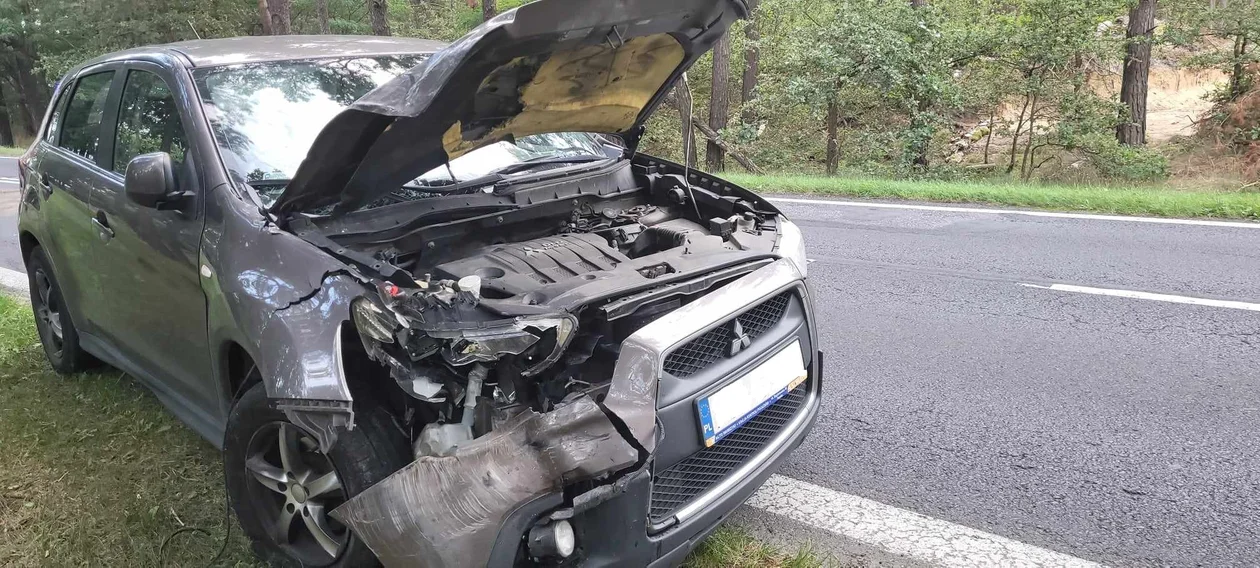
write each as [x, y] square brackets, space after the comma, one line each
[726, 410]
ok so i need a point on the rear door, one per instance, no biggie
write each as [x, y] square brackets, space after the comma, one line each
[148, 259]
[64, 168]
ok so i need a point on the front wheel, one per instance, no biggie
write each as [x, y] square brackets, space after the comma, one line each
[52, 320]
[282, 486]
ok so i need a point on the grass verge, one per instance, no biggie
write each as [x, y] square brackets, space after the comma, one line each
[11, 151]
[95, 472]
[1152, 201]
[731, 547]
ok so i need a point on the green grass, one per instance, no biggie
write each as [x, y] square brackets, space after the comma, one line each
[95, 472]
[1147, 201]
[11, 151]
[730, 547]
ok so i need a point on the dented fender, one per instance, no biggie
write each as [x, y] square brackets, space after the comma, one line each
[282, 300]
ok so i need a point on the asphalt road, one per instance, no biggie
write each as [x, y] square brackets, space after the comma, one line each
[1119, 430]
[10, 255]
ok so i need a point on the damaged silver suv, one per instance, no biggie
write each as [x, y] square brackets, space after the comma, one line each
[430, 300]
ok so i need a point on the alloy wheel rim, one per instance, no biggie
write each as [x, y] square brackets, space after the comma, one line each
[48, 312]
[294, 486]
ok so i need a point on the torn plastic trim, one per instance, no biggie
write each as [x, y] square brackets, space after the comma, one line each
[446, 511]
[306, 230]
[322, 418]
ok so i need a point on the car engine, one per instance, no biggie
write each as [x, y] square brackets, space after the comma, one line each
[527, 306]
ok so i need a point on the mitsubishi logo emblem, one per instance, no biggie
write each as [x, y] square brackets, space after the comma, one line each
[739, 341]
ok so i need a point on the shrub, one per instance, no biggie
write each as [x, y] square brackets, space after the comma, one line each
[1129, 163]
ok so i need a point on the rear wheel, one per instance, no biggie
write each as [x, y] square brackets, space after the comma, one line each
[282, 486]
[52, 320]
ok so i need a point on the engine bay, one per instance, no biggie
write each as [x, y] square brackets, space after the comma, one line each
[528, 306]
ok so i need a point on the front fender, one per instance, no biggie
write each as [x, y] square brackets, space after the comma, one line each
[284, 301]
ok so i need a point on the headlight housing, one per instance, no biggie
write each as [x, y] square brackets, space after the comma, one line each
[792, 245]
[372, 321]
[487, 344]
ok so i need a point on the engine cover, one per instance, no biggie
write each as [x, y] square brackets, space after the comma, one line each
[513, 269]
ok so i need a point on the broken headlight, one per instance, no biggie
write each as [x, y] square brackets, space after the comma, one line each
[488, 344]
[372, 321]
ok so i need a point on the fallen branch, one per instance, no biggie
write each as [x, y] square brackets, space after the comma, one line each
[713, 137]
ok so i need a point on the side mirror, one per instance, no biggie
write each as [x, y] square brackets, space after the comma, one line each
[150, 181]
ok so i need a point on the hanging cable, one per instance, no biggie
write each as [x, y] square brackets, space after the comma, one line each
[687, 141]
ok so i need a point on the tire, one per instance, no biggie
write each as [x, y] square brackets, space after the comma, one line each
[262, 492]
[52, 319]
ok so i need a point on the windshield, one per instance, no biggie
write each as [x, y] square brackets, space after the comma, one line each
[265, 116]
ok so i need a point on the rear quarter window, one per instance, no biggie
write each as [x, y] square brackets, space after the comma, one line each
[81, 124]
[54, 121]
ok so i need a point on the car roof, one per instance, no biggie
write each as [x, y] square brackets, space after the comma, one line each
[254, 49]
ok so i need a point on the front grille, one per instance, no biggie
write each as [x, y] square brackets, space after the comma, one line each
[713, 344]
[685, 480]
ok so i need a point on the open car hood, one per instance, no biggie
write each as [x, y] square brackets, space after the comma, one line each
[548, 66]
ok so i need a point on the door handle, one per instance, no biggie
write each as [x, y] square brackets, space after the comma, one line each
[41, 183]
[102, 227]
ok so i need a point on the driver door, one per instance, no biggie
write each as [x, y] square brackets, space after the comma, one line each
[148, 259]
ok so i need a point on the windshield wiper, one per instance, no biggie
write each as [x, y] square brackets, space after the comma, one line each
[457, 186]
[500, 174]
[547, 160]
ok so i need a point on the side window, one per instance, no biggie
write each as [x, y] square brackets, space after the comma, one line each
[50, 134]
[148, 121]
[81, 127]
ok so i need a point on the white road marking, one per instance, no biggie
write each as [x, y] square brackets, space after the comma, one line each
[1235, 305]
[922, 538]
[1050, 214]
[14, 282]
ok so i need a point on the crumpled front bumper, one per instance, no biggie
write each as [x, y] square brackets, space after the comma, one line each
[470, 509]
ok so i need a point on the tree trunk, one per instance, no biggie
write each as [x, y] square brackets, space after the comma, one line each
[833, 142]
[378, 12]
[32, 98]
[279, 14]
[489, 9]
[988, 140]
[1019, 128]
[1237, 76]
[748, 87]
[1024, 170]
[713, 137]
[1137, 71]
[264, 16]
[918, 3]
[719, 102]
[321, 15]
[6, 128]
[682, 97]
